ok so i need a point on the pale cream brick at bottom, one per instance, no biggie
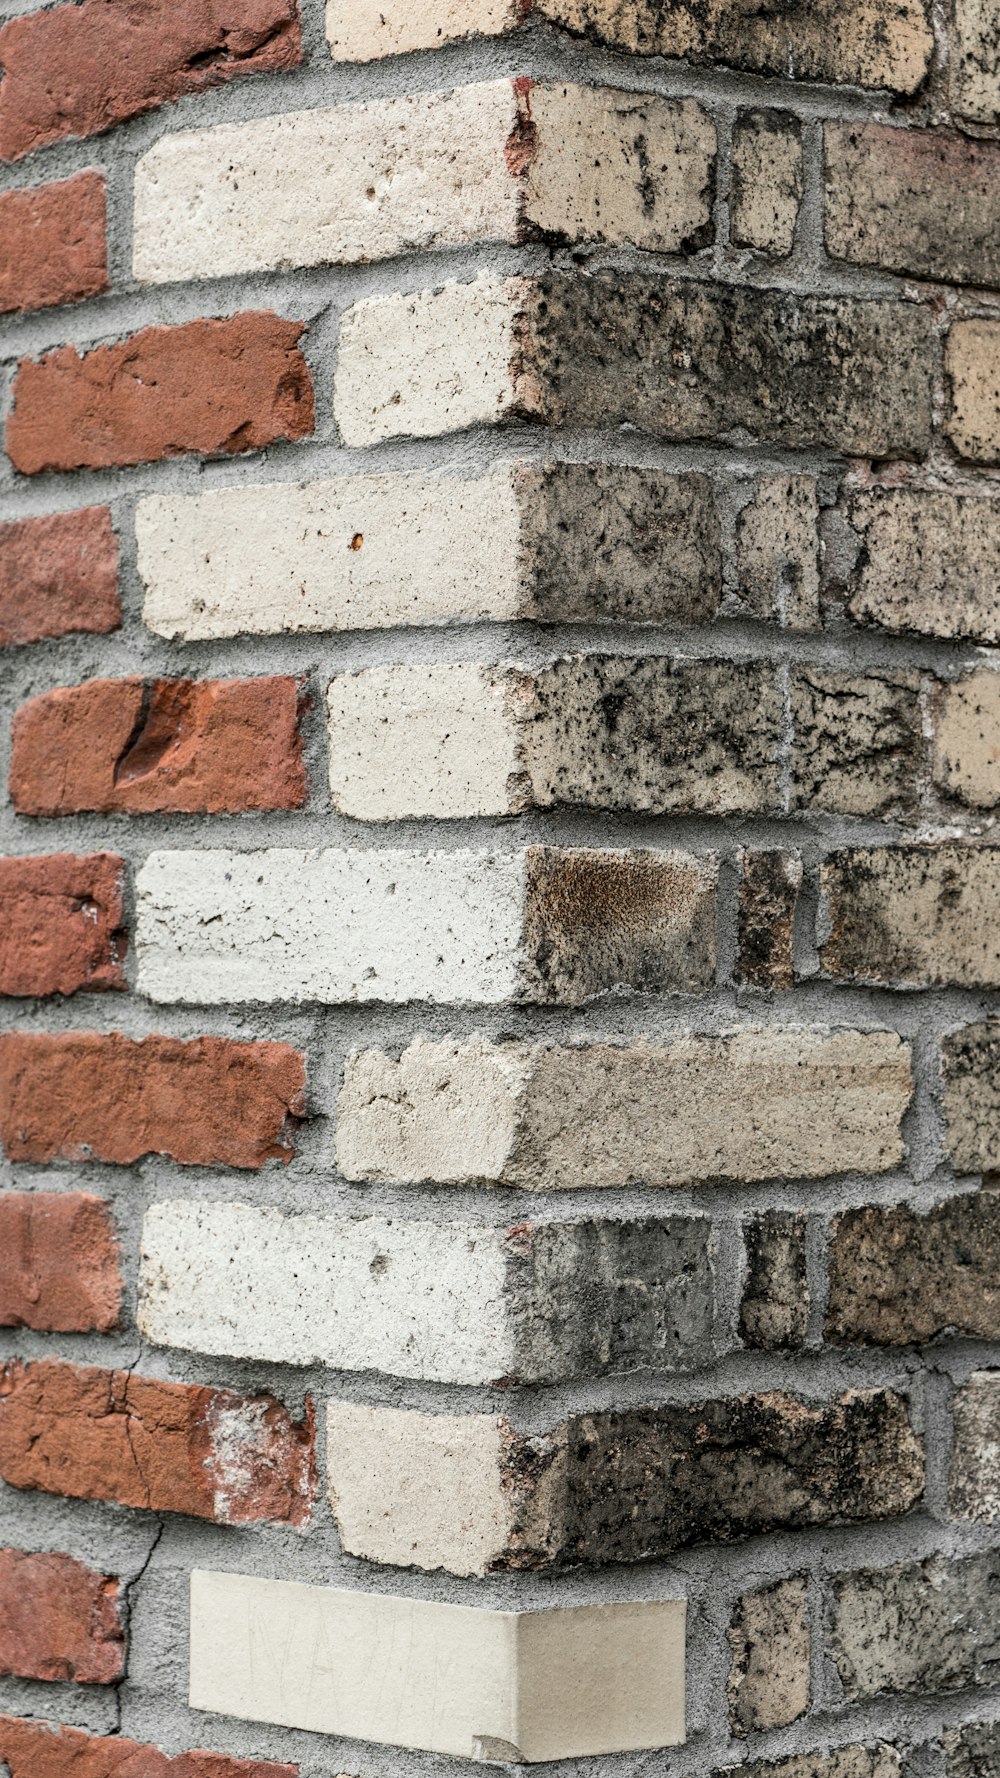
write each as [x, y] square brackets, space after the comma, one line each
[541, 925]
[756, 1104]
[487, 1685]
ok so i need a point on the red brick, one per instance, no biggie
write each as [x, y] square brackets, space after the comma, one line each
[77, 70]
[62, 924]
[97, 1434]
[59, 1620]
[54, 243]
[214, 387]
[35, 1750]
[60, 1263]
[208, 1102]
[58, 574]
[161, 746]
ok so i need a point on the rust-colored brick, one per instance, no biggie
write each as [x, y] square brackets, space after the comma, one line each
[60, 1263]
[54, 243]
[214, 387]
[59, 1620]
[97, 1434]
[207, 1102]
[208, 747]
[58, 574]
[62, 924]
[36, 1750]
[76, 70]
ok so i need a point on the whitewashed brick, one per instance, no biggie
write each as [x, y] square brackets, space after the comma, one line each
[454, 1679]
[461, 927]
[759, 1104]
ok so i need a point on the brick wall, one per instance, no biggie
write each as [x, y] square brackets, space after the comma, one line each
[499, 894]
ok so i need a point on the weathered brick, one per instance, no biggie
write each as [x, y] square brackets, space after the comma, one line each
[974, 61]
[58, 574]
[918, 916]
[680, 360]
[925, 202]
[59, 1620]
[510, 160]
[653, 733]
[878, 1761]
[898, 1278]
[917, 1627]
[207, 1102]
[972, 366]
[476, 1496]
[971, 1097]
[858, 741]
[758, 1104]
[210, 746]
[928, 563]
[544, 925]
[213, 387]
[972, 1752]
[769, 890]
[563, 543]
[55, 250]
[60, 1271]
[777, 551]
[33, 1749]
[966, 758]
[769, 1684]
[455, 1302]
[974, 1478]
[77, 70]
[879, 43]
[767, 181]
[774, 1312]
[96, 1434]
[62, 924]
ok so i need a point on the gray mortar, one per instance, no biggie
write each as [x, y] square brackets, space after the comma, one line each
[153, 1555]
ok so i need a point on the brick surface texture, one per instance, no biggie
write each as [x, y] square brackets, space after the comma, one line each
[499, 888]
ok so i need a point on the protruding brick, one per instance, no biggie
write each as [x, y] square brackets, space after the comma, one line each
[928, 563]
[60, 1271]
[54, 245]
[971, 1097]
[774, 1312]
[858, 741]
[212, 387]
[974, 1477]
[475, 1496]
[208, 1102]
[916, 916]
[777, 552]
[767, 182]
[59, 1621]
[62, 924]
[167, 1447]
[58, 574]
[769, 1683]
[880, 43]
[548, 926]
[974, 61]
[898, 1278]
[134, 746]
[925, 202]
[452, 1302]
[967, 740]
[77, 70]
[507, 161]
[917, 1628]
[627, 349]
[567, 543]
[755, 1105]
[769, 891]
[972, 366]
[34, 1749]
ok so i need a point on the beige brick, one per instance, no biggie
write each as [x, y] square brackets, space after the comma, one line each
[898, 1278]
[972, 365]
[774, 1311]
[916, 1628]
[767, 182]
[974, 70]
[926, 202]
[878, 1761]
[974, 1476]
[777, 552]
[929, 563]
[970, 1099]
[967, 740]
[363, 30]
[769, 892]
[918, 916]
[768, 1685]
[759, 1104]
[858, 741]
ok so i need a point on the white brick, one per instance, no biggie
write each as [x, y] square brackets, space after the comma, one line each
[366, 182]
[760, 1104]
[454, 927]
[364, 30]
[453, 1679]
